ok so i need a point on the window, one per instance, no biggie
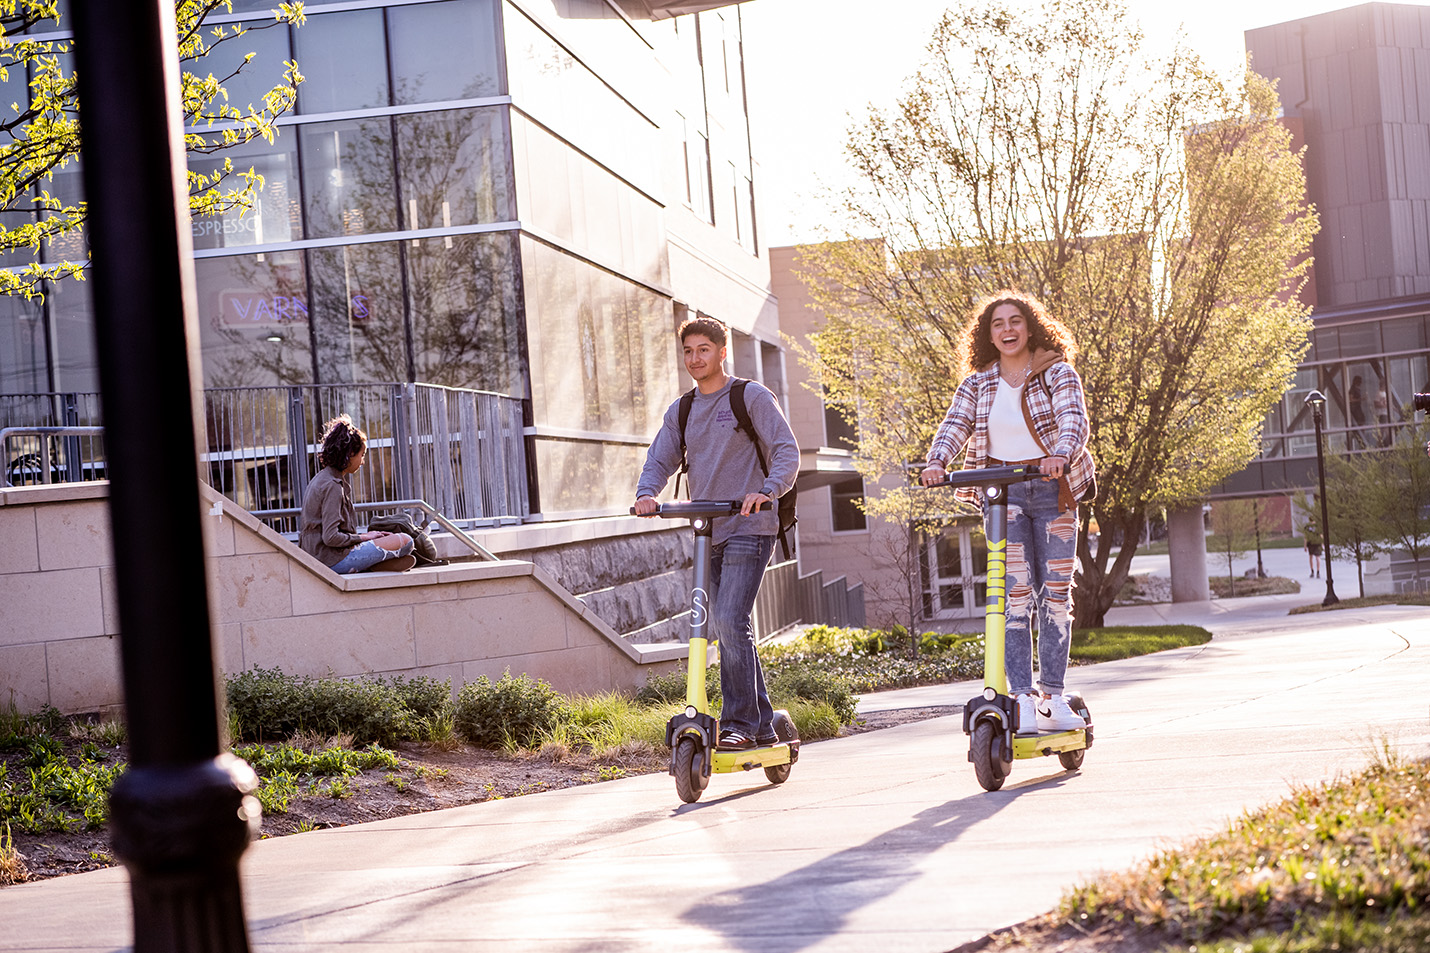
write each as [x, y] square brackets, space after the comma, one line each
[348, 178]
[253, 320]
[844, 499]
[839, 433]
[267, 40]
[275, 215]
[455, 168]
[444, 51]
[697, 150]
[343, 58]
[466, 329]
[355, 305]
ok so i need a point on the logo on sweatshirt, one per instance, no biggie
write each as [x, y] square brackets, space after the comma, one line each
[724, 415]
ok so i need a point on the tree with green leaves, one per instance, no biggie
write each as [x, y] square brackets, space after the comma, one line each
[1357, 531]
[1396, 488]
[40, 131]
[1156, 208]
[1231, 534]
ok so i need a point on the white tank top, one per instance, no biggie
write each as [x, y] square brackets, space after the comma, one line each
[1008, 435]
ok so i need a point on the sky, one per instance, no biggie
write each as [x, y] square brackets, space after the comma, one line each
[811, 63]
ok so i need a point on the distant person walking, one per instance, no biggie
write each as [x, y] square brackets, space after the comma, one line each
[1313, 549]
[328, 526]
[1022, 403]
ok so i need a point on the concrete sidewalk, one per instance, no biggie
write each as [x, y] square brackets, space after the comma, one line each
[880, 840]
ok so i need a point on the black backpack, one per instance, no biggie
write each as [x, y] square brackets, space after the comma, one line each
[422, 546]
[786, 504]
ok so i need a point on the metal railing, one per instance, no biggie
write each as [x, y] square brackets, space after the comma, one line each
[53, 438]
[389, 507]
[463, 452]
[786, 598]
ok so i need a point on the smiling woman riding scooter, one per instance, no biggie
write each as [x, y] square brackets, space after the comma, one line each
[1022, 403]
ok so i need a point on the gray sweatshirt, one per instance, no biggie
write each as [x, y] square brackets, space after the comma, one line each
[723, 465]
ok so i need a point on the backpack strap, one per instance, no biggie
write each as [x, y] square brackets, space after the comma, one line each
[687, 400]
[742, 421]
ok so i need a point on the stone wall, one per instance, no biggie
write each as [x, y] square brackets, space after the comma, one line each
[274, 606]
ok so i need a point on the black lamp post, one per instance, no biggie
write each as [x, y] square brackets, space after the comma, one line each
[183, 813]
[1317, 402]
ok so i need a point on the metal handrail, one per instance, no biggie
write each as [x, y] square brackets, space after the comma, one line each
[422, 505]
[8, 432]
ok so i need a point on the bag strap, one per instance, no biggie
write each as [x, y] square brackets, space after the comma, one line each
[687, 400]
[742, 420]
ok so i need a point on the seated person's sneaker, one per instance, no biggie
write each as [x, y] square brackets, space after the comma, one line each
[1054, 714]
[1027, 715]
[732, 740]
[765, 741]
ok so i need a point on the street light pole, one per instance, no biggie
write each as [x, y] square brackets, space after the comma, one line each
[183, 813]
[1317, 401]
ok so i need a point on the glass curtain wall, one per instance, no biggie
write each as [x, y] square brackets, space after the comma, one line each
[366, 163]
[1368, 372]
[384, 245]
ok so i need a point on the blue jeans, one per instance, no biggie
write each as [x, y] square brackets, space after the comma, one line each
[736, 568]
[1042, 556]
[365, 555]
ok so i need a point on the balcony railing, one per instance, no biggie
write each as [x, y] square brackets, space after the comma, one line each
[463, 451]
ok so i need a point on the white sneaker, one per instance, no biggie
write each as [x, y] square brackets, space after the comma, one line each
[1027, 723]
[1054, 714]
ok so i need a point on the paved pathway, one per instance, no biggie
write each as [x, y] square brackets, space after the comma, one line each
[879, 841]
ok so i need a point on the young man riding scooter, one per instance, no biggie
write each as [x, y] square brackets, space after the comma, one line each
[724, 463]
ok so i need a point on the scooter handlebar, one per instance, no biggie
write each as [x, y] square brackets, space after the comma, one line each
[696, 509]
[989, 476]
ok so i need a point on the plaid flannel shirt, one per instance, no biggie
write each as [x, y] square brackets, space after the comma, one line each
[1053, 405]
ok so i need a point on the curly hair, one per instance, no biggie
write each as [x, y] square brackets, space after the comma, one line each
[977, 351]
[341, 442]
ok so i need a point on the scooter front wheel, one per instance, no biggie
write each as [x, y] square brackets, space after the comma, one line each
[786, 732]
[983, 752]
[685, 764]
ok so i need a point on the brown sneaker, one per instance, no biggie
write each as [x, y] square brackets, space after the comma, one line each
[397, 564]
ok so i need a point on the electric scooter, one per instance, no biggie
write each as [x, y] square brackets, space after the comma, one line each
[988, 718]
[692, 733]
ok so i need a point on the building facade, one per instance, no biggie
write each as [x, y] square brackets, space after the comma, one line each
[1355, 83]
[522, 197]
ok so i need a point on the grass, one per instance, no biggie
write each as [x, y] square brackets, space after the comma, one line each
[12, 865]
[1128, 641]
[1159, 547]
[1344, 866]
[1224, 587]
[56, 772]
[1360, 602]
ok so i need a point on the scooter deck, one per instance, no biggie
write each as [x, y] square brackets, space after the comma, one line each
[1050, 742]
[724, 762]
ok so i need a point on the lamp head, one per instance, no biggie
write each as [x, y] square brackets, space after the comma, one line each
[1316, 401]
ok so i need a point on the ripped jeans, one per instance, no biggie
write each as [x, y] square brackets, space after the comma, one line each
[1042, 556]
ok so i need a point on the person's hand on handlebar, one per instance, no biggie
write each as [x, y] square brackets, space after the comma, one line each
[753, 501]
[931, 474]
[1052, 467]
[647, 506]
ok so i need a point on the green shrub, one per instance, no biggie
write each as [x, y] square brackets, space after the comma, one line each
[269, 705]
[669, 689]
[423, 696]
[510, 711]
[811, 682]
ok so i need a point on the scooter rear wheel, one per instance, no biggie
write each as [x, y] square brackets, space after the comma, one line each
[685, 763]
[984, 755]
[785, 731]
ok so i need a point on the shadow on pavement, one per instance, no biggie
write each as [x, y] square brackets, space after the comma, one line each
[799, 908]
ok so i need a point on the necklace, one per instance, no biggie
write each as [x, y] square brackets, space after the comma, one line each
[1022, 375]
